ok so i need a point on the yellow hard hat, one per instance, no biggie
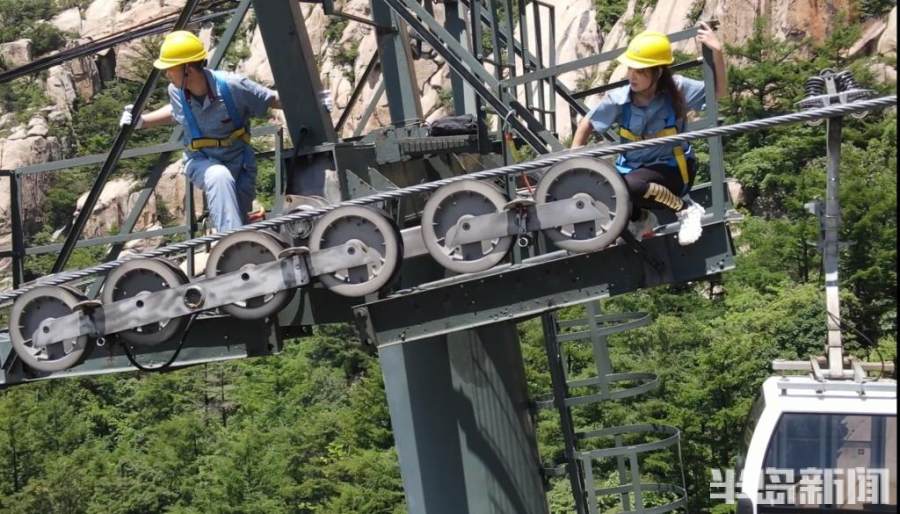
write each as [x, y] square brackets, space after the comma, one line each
[646, 50]
[179, 47]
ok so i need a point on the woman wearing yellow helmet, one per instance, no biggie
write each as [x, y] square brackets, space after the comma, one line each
[654, 103]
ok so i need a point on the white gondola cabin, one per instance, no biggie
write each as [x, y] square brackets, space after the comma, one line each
[824, 445]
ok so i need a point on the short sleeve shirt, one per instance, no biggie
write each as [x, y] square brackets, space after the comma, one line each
[646, 120]
[251, 101]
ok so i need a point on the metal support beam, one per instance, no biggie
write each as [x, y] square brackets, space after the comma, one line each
[357, 91]
[541, 284]
[18, 231]
[716, 152]
[463, 96]
[463, 63]
[476, 43]
[210, 339]
[287, 44]
[830, 252]
[578, 64]
[397, 68]
[464, 437]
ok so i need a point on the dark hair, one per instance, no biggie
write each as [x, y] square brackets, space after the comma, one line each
[199, 65]
[665, 83]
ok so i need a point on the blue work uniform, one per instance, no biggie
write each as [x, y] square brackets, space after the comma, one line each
[227, 174]
[643, 122]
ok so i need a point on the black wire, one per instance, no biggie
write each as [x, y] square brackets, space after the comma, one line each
[105, 42]
[162, 367]
[871, 345]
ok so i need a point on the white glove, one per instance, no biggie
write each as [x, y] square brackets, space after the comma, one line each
[127, 117]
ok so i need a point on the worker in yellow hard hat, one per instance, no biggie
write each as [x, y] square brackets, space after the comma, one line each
[214, 107]
[654, 103]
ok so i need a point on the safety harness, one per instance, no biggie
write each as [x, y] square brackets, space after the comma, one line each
[240, 135]
[678, 159]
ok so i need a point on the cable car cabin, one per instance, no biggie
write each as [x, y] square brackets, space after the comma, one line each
[822, 446]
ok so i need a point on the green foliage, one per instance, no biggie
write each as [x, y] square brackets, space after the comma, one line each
[40, 265]
[875, 8]
[445, 98]
[265, 182]
[635, 24]
[335, 29]
[345, 56]
[27, 20]
[694, 73]
[274, 435]
[694, 14]
[96, 124]
[607, 13]
[68, 4]
[22, 96]
[238, 52]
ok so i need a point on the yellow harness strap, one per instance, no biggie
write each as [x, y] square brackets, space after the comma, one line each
[240, 134]
[678, 151]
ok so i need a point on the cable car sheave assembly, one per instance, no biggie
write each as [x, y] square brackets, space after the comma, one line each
[581, 204]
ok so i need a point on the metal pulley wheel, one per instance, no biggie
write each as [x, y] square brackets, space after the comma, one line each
[369, 227]
[141, 277]
[29, 311]
[446, 208]
[241, 249]
[301, 229]
[596, 180]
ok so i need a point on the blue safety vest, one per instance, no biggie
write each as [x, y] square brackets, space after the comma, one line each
[240, 134]
[677, 160]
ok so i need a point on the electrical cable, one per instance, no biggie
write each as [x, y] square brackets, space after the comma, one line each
[541, 162]
[872, 346]
[130, 356]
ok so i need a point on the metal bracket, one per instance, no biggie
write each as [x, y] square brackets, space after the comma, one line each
[351, 254]
[636, 246]
[578, 209]
[251, 281]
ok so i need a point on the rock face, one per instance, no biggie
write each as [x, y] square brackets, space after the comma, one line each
[61, 88]
[85, 77]
[111, 207]
[15, 53]
[788, 19]
[100, 18]
[119, 197]
[68, 21]
[887, 43]
[21, 149]
[670, 16]
[28, 146]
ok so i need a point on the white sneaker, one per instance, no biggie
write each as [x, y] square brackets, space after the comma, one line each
[691, 226]
[643, 228]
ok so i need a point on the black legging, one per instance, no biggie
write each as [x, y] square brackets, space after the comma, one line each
[644, 187]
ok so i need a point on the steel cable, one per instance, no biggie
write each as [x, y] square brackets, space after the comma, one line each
[148, 27]
[543, 161]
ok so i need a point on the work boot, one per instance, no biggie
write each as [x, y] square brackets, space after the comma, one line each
[691, 227]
